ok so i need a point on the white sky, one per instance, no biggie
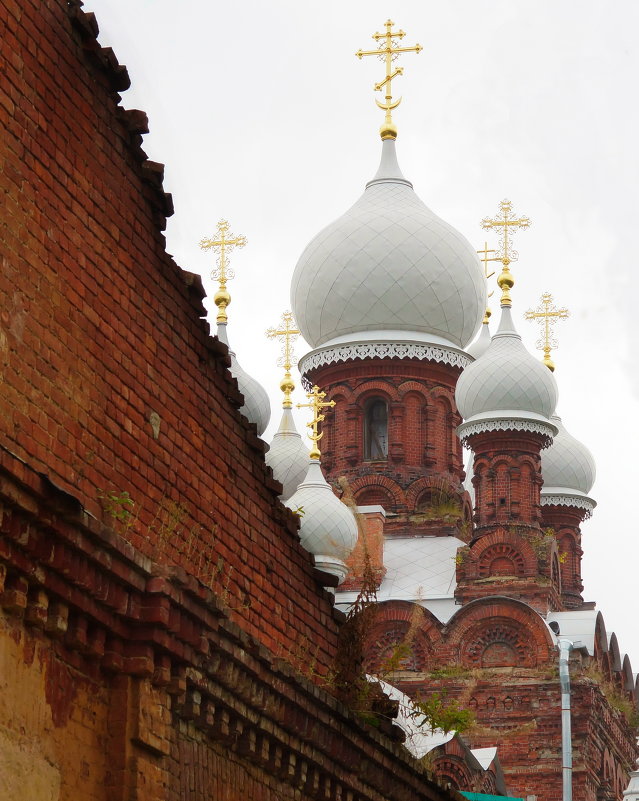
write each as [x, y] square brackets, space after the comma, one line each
[263, 115]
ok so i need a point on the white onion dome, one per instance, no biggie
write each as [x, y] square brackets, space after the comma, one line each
[257, 407]
[631, 793]
[480, 345]
[391, 265]
[288, 455]
[327, 526]
[470, 474]
[507, 387]
[568, 470]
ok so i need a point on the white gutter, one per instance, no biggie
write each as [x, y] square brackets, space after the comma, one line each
[565, 646]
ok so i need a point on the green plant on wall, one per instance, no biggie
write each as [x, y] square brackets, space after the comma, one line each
[119, 506]
[444, 715]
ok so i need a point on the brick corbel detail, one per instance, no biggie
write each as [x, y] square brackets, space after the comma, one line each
[176, 660]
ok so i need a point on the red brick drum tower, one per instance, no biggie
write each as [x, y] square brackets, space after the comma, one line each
[389, 297]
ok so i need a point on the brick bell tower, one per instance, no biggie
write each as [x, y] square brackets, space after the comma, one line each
[388, 296]
[507, 398]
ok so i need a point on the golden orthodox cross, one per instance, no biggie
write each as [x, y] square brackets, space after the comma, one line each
[224, 244]
[504, 223]
[485, 258]
[546, 314]
[388, 51]
[317, 403]
[289, 333]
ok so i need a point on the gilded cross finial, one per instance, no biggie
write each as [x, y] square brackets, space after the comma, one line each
[317, 403]
[546, 314]
[388, 51]
[288, 332]
[487, 275]
[224, 244]
[506, 224]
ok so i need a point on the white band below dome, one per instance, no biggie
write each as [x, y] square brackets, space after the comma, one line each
[467, 430]
[576, 501]
[381, 350]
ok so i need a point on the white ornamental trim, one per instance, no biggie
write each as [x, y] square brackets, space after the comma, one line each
[569, 500]
[382, 350]
[467, 430]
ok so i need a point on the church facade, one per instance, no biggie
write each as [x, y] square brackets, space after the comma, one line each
[169, 629]
[477, 571]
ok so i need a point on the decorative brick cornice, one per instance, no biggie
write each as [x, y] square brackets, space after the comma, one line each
[380, 350]
[114, 611]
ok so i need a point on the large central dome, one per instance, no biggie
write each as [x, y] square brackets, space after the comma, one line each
[389, 264]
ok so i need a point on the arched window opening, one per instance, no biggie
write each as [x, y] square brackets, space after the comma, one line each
[376, 430]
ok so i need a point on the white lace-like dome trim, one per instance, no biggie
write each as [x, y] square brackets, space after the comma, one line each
[547, 430]
[381, 350]
[554, 497]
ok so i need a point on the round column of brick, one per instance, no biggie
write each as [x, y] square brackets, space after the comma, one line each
[422, 418]
[507, 479]
[566, 522]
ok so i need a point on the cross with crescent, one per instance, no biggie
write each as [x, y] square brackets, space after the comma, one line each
[317, 403]
[504, 223]
[388, 51]
[289, 333]
[223, 244]
[546, 314]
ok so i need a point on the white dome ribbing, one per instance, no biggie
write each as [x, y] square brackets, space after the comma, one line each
[288, 456]
[567, 466]
[327, 526]
[389, 263]
[257, 407]
[506, 382]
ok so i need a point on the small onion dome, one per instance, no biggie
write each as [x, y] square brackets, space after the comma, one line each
[468, 481]
[480, 345]
[631, 793]
[568, 470]
[327, 526]
[257, 407]
[507, 387]
[388, 264]
[288, 456]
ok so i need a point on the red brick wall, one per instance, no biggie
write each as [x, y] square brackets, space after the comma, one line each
[422, 418]
[565, 521]
[507, 478]
[100, 332]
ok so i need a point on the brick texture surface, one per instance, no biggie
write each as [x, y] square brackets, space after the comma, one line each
[163, 635]
[100, 334]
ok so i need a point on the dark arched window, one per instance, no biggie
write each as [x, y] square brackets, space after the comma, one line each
[376, 430]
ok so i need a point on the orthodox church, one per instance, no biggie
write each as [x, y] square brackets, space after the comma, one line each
[477, 567]
[173, 592]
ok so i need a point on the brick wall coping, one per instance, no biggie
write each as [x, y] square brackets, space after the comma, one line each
[112, 611]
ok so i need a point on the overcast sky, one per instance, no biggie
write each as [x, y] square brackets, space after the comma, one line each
[263, 115]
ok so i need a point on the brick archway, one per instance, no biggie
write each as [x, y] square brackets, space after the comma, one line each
[499, 632]
[382, 483]
[404, 632]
